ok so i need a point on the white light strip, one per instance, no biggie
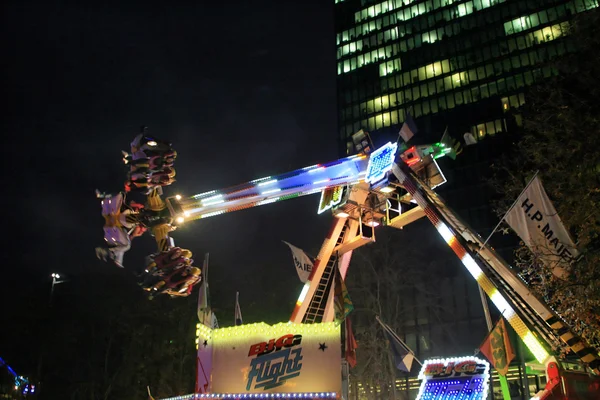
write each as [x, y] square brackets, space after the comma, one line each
[212, 203]
[204, 194]
[218, 196]
[272, 181]
[472, 267]
[303, 292]
[445, 232]
[502, 305]
[271, 191]
[321, 181]
[260, 179]
[212, 214]
[312, 171]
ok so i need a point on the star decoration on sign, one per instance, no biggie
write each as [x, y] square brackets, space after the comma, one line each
[205, 343]
[322, 347]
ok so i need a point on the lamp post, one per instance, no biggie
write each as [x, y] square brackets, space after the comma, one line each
[55, 281]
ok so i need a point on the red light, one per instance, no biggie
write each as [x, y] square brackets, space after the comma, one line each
[411, 156]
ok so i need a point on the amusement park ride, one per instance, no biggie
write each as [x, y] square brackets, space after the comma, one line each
[375, 187]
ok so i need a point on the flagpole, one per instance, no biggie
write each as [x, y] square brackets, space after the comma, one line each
[204, 293]
[387, 328]
[506, 213]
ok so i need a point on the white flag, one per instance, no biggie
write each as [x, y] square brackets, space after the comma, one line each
[214, 324]
[409, 128]
[238, 311]
[302, 262]
[536, 221]
[469, 139]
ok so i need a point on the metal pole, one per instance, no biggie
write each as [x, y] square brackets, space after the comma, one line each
[393, 375]
[502, 379]
[486, 309]
[523, 370]
[488, 321]
[51, 291]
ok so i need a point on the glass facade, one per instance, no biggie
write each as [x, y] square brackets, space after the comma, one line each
[464, 65]
[432, 56]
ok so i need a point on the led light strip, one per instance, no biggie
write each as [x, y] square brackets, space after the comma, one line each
[315, 395]
[423, 394]
[499, 301]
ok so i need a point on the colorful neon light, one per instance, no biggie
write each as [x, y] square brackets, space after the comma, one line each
[475, 270]
[381, 162]
[304, 395]
[330, 197]
[464, 378]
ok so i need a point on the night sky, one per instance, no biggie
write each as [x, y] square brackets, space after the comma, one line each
[242, 89]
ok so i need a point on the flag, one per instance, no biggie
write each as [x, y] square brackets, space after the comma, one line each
[534, 218]
[403, 356]
[453, 146]
[351, 345]
[342, 303]
[204, 312]
[214, 324]
[362, 142]
[469, 139]
[238, 312]
[409, 128]
[497, 348]
[303, 263]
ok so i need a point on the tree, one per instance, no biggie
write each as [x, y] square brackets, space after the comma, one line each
[392, 278]
[108, 341]
[560, 139]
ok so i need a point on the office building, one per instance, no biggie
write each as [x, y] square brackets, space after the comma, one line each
[455, 64]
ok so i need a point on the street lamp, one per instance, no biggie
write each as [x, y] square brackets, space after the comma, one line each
[55, 281]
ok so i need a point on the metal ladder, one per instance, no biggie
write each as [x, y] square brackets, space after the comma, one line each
[316, 308]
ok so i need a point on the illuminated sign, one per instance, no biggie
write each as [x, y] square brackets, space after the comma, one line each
[457, 378]
[330, 197]
[380, 162]
[259, 359]
[276, 361]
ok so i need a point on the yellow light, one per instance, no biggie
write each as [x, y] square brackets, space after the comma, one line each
[152, 143]
[342, 214]
[180, 220]
[178, 197]
[535, 347]
[387, 189]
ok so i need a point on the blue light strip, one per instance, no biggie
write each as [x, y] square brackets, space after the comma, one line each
[262, 191]
[380, 162]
